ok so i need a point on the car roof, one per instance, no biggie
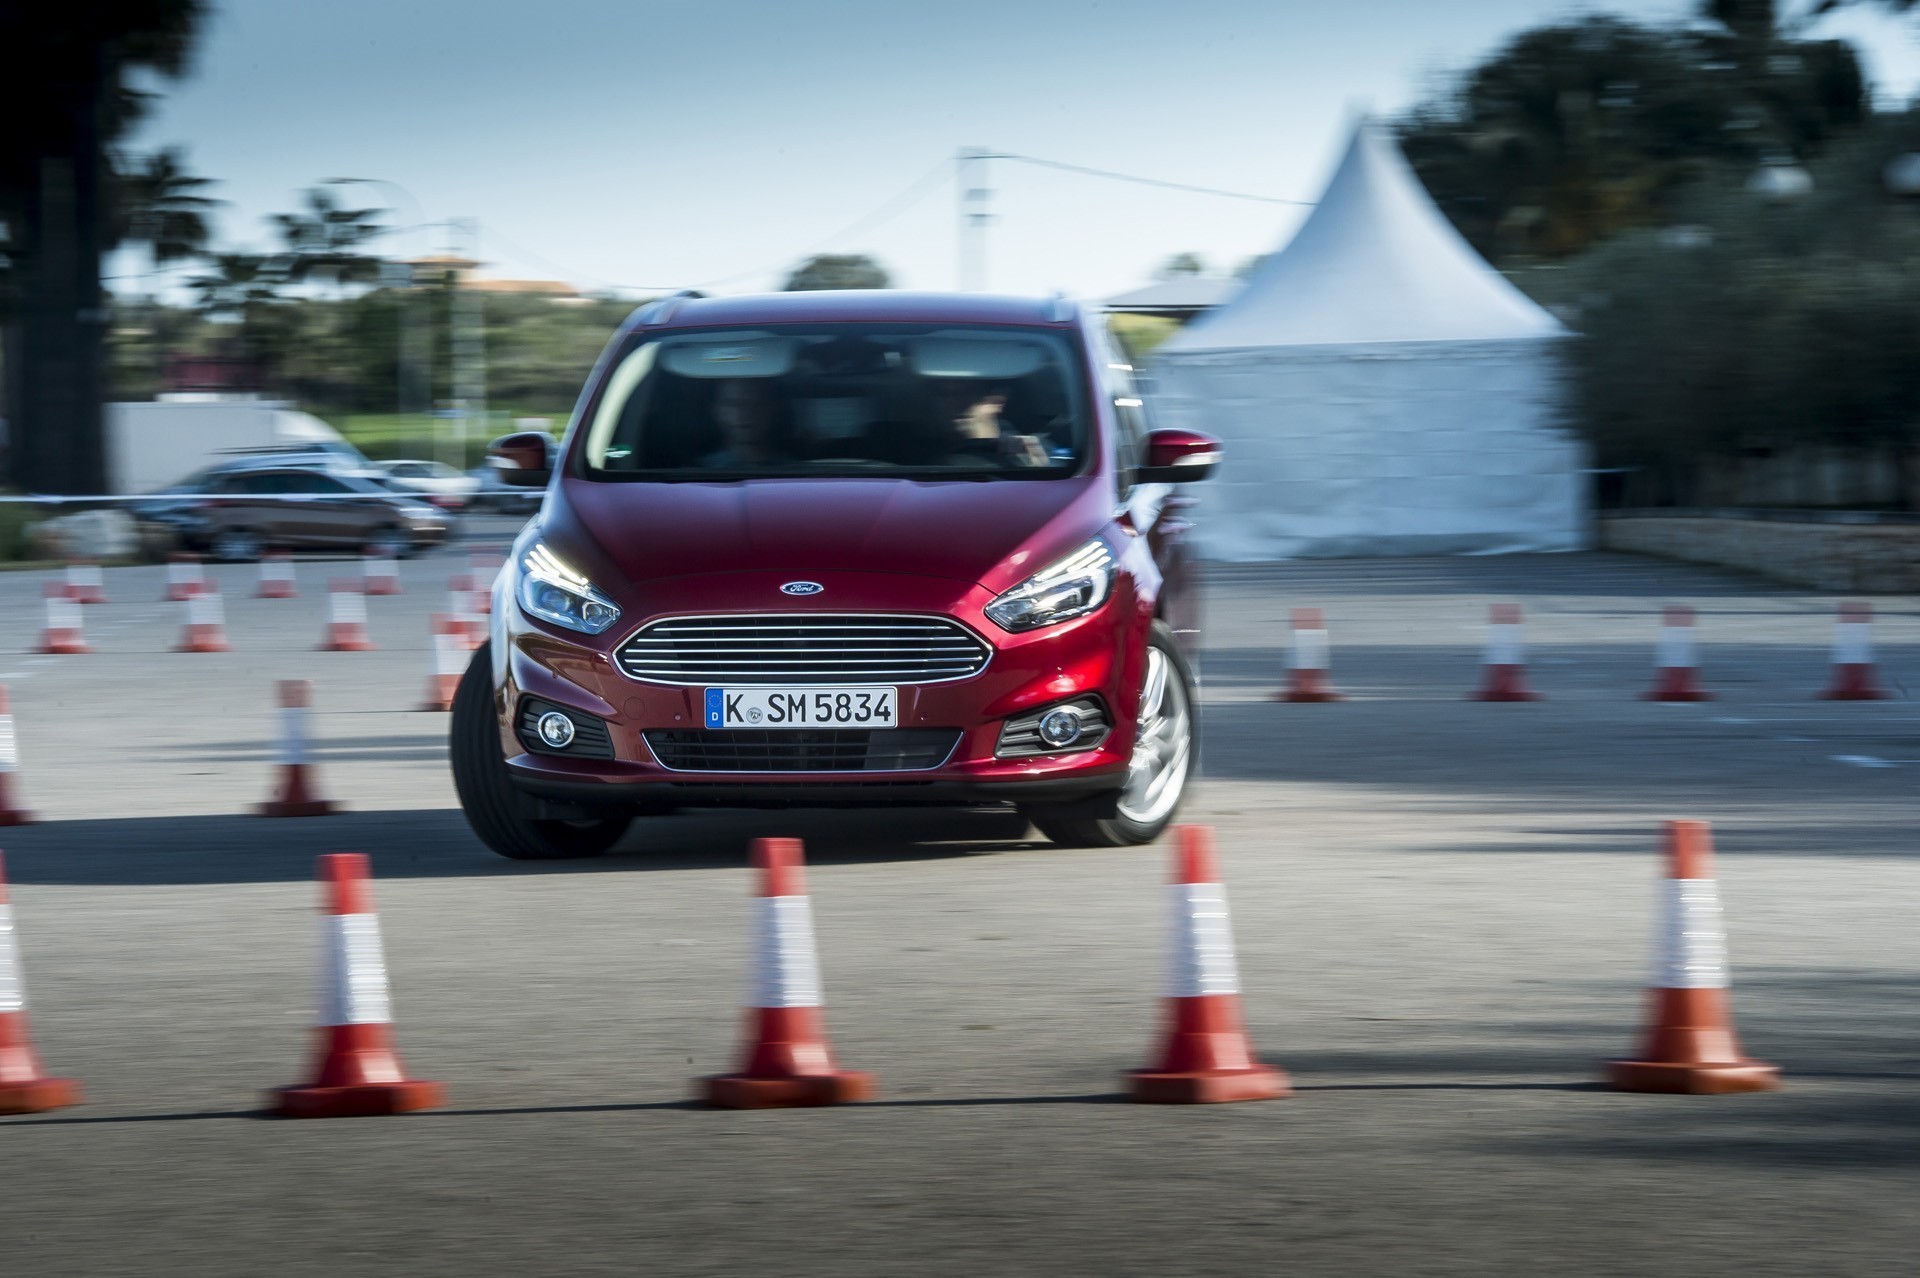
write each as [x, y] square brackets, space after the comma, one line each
[854, 306]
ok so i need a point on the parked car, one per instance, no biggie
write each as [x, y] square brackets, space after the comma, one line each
[827, 549]
[241, 511]
[440, 483]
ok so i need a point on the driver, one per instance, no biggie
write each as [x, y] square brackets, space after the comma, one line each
[974, 413]
[743, 409]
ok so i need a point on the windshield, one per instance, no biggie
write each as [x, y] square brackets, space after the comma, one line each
[840, 401]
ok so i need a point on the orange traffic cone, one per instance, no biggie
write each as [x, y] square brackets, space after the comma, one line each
[1506, 658]
[1677, 662]
[449, 663]
[276, 578]
[183, 577]
[84, 582]
[23, 1088]
[358, 1074]
[10, 812]
[1854, 677]
[1206, 1057]
[346, 618]
[296, 795]
[380, 573]
[206, 626]
[63, 636]
[1690, 1046]
[1307, 660]
[486, 565]
[787, 1060]
[467, 621]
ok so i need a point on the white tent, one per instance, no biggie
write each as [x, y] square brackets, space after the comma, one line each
[1381, 390]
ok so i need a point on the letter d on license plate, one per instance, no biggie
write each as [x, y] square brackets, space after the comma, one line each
[837, 707]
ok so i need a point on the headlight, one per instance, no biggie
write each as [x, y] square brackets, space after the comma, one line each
[1072, 587]
[554, 592]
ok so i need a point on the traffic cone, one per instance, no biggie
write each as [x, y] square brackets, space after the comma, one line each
[23, 1088]
[1854, 677]
[276, 578]
[381, 574]
[357, 1074]
[787, 1061]
[466, 620]
[183, 577]
[346, 618]
[1677, 663]
[449, 663]
[206, 626]
[1307, 660]
[1506, 658]
[10, 813]
[1206, 1057]
[296, 795]
[63, 636]
[1690, 1045]
[84, 582]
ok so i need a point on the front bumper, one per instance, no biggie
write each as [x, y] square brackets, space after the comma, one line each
[1098, 654]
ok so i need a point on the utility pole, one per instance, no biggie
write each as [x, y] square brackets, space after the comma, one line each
[975, 207]
[468, 344]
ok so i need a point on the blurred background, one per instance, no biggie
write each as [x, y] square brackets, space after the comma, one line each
[409, 227]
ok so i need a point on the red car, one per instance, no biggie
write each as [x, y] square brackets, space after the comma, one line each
[827, 549]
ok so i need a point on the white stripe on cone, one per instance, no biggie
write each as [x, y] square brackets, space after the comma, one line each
[13, 982]
[1692, 952]
[353, 972]
[1504, 646]
[1676, 648]
[62, 613]
[204, 608]
[1309, 650]
[1201, 961]
[449, 654]
[293, 735]
[1853, 643]
[9, 745]
[347, 607]
[786, 966]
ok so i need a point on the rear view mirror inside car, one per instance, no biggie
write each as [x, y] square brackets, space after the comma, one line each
[734, 356]
[995, 357]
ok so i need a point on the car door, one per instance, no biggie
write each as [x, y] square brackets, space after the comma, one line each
[330, 512]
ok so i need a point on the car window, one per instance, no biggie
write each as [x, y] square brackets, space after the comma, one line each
[310, 482]
[406, 470]
[842, 401]
[256, 482]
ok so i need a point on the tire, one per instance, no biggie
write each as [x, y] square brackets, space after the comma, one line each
[1167, 742]
[486, 791]
[235, 545]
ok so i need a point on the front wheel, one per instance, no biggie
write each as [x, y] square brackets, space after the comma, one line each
[486, 791]
[1163, 751]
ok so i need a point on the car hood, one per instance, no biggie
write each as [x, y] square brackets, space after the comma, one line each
[992, 533]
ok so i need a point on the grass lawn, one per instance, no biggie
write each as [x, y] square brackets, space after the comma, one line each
[383, 436]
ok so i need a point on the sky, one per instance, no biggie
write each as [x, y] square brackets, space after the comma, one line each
[652, 144]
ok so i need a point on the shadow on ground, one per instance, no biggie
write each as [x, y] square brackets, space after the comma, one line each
[436, 843]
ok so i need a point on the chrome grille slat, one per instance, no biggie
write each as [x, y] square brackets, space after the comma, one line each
[802, 648]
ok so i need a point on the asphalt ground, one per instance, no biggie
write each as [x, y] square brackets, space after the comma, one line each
[1443, 913]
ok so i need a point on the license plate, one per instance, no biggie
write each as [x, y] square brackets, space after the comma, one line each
[840, 707]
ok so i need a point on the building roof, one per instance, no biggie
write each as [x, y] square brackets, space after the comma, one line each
[1181, 295]
[1375, 262]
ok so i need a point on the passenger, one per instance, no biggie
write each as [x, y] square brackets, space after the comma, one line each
[974, 412]
[744, 410]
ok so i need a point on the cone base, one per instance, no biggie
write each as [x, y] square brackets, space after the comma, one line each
[203, 647]
[275, 594]
[1210, 1087]
[355, 645]
[1691, 1079]
[17, 817]
[37, 1095]
[304, 808]
[1853, 694]
[371, 1100]
[1504, 696]
[738, 1091]
[63, 650]
[1306, 698]
[1677, 696]
[434, 707]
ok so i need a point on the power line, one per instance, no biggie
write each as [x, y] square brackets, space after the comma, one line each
[1144, 181]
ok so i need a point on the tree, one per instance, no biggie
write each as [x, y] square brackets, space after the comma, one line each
[66, 92]
[1575, 132]
[324, 242]
[1181, 264]
[837, 270]
[156, 202]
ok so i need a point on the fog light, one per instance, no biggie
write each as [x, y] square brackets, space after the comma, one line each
[555, 729]
[1060, 727]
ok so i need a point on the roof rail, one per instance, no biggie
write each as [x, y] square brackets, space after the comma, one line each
[662, 309]
[1064, 308]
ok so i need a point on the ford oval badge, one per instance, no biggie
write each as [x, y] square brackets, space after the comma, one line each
[802, 588]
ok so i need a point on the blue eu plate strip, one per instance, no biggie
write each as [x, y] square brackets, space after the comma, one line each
[715, 717]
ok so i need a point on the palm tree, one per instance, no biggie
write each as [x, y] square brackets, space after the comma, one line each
[324, 242]
[158, 204]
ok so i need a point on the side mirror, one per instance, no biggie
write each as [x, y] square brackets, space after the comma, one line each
[1178, 457]
[524, 460]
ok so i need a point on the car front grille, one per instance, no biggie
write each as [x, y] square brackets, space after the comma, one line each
[803, 648]
[819, 750]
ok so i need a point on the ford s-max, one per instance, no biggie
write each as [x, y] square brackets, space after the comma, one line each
[841, 548]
